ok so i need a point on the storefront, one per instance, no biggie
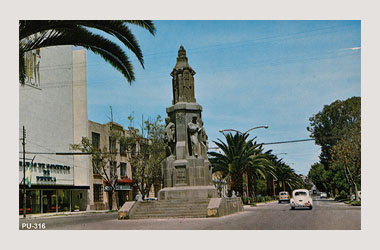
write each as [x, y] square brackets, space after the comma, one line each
[40, 199]
[51, 189]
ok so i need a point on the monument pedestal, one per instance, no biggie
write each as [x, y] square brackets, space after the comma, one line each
[187, 193]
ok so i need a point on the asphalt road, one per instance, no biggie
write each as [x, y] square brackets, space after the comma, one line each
[326, 215]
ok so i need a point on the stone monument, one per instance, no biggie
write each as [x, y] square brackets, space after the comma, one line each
[187, 187]
[187, 173]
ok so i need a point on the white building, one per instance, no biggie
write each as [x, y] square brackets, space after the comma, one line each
[53, 111]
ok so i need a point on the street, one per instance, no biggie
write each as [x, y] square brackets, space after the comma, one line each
[326, 215]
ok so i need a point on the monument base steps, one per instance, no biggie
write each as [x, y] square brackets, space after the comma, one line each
[170, 209]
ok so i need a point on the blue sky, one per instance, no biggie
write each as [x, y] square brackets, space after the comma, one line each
[248, 73]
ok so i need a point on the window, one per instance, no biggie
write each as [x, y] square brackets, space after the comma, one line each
[134, 149]
[98, 192]
[300, 193]
[123, 169]
[112, 144]
[123, 148]
[95, 139]
[95, 167]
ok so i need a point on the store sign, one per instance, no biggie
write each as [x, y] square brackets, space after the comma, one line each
[47, 173]
[46, 177]
[45, 166]
[123, 187]
[118, 188]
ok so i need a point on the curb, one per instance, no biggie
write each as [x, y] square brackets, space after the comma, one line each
[62, 214]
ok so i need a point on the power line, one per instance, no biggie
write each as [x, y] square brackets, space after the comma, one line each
[281, 142]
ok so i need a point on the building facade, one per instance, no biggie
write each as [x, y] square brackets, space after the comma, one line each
[53, 112]
[100, 136]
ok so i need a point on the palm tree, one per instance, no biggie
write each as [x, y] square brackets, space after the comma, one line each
[260, 167]
[232, 162]
[239, 157]
[37, 34]
[286, 176]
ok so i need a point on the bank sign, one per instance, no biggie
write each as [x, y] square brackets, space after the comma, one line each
[47, 173]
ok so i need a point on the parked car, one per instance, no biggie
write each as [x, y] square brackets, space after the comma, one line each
[301, 199]
[283, 196]
[323, 196]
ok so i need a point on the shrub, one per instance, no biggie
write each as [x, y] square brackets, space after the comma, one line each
[245, 200]
[342, 196]
[356, 203]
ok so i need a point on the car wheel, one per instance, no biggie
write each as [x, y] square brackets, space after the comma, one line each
[279, 201]
[292, 208]
[311, 208]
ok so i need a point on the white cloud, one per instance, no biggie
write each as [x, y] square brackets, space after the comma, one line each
[353, 48]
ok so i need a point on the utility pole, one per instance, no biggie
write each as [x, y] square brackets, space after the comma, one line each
[23, 164]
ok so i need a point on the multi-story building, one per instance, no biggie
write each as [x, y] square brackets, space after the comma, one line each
[100, 136]
[53, 111]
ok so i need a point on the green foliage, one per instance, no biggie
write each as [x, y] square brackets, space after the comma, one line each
[240, 156]
[245, 200]
[356, 203]
[35, 34]
[337, 130]
[148, 157]
[287, 179]
[333, 123]
[342, 196]
[261, 186]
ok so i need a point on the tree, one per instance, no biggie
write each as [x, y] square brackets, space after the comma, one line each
[148, 157]
[318, 177]
[36, 34]
[260, 167]
[337, 130]
[287, 179]
[104, 163]
[347, 153]
[234, 159]
[332, 123]
[240, 157]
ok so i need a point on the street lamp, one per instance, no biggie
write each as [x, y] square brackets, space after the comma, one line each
[231, 129]
[237, 131]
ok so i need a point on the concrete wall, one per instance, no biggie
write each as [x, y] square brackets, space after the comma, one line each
[53, 109]
[224, 206]
[47, 113]
[80, 116]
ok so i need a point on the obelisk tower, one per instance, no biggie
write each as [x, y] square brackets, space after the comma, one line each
[187, 172]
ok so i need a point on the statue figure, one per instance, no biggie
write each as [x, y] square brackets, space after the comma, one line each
[170, 136]
[194, 129]
[202, 137]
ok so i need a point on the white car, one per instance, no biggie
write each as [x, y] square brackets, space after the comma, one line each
[301, 199]
[323, 195]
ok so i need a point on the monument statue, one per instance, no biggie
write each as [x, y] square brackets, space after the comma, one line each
[170, 136]
[194, 130]
[187, 167]
[203, 139]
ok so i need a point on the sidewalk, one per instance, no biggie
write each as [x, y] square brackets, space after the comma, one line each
[261, 203]
[45, 215]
